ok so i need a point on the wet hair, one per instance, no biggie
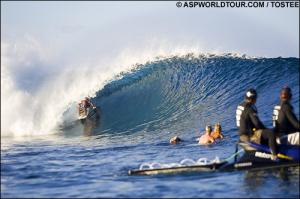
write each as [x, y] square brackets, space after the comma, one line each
[218, 125]
[208, 127]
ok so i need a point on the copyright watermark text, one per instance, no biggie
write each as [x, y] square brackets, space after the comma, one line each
[237, 4]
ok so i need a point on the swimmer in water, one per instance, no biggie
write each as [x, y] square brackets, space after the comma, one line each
[217, 133]
[206, 138]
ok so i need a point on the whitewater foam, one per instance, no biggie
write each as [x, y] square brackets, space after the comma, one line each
[39, 110]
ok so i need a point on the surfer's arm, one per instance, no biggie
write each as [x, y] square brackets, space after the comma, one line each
[292, 117]
[255, 120]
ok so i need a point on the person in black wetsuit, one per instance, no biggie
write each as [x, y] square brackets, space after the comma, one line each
[285, 121]
[249, 125]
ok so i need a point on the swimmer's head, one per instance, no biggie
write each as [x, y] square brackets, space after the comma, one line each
[175, 140]
[218, 127]
[208, 129]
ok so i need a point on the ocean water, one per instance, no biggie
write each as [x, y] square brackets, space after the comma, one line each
[141, 110]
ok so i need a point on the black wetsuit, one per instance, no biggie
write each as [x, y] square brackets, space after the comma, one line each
[284, 119]
[247, 120]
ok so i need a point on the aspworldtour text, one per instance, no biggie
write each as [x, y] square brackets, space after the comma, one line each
[237, 4]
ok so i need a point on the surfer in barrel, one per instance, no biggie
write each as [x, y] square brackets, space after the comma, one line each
[89, 116]
[84, 106]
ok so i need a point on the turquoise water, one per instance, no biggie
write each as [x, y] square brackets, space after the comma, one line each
[140, 113]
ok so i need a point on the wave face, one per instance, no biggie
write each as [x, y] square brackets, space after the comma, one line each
[180, 94]
[175, 93]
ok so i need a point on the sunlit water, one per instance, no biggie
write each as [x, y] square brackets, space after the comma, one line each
[92, 167]
[140, 113]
